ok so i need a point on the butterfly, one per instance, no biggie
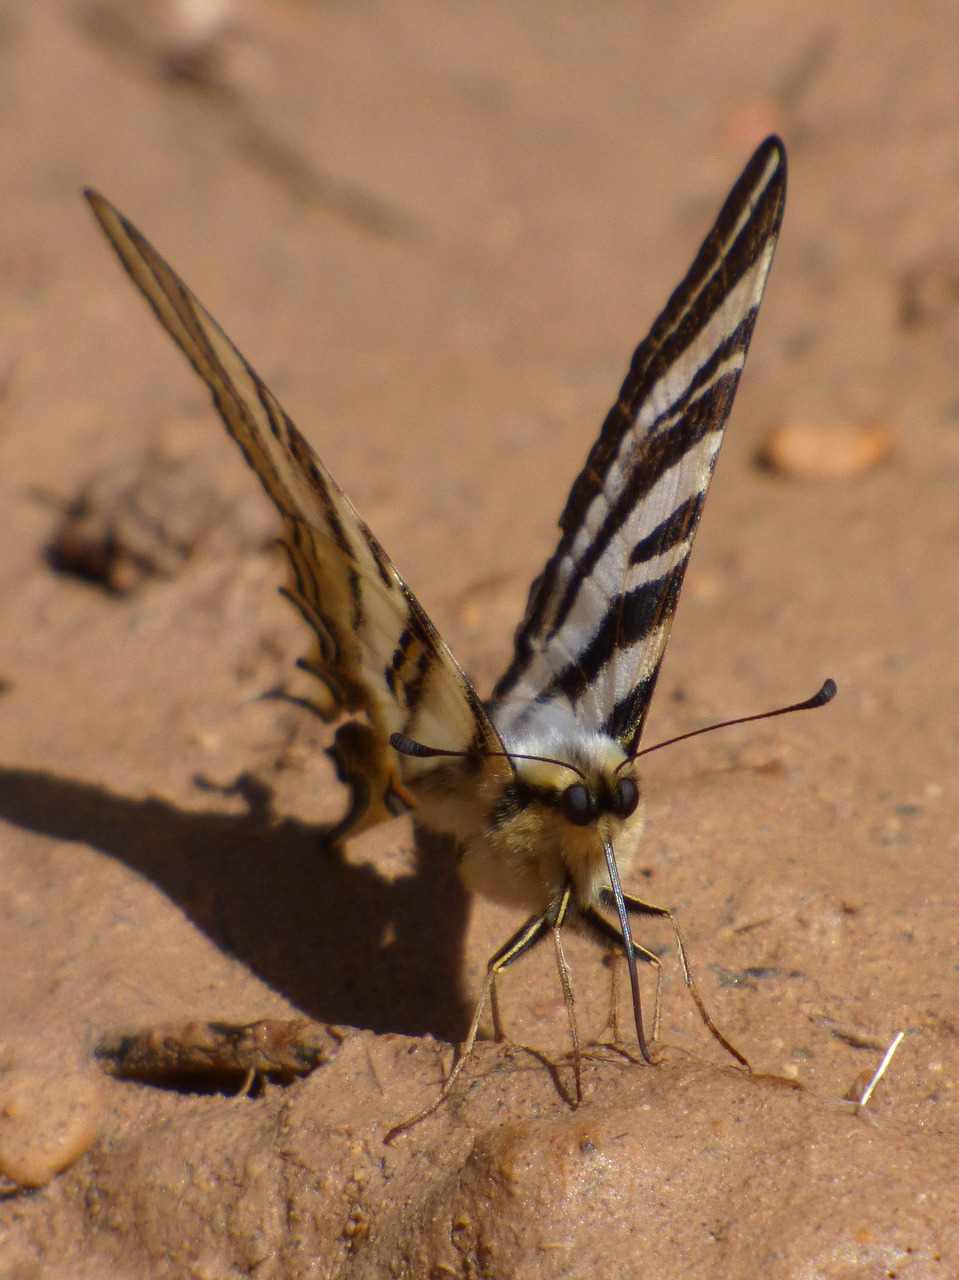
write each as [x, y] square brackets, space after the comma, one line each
[536, 785]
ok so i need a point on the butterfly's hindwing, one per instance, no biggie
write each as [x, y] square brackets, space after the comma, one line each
[377, 654]
[598, 617]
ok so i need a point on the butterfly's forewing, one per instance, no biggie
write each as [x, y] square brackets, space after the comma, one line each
[377, 652]
[598, 617]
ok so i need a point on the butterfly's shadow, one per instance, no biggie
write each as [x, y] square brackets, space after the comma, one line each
[345, 945]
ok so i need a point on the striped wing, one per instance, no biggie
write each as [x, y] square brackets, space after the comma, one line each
[377, 653]
[598, 617]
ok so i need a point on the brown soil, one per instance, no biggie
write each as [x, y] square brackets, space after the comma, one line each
[439, 230]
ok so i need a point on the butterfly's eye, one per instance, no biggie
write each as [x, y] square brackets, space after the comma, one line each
[625, 798]
[577, 805]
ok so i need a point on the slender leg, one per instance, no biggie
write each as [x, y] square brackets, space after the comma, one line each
[499, 1035]
[568, 991]
[533, 931]
[612, 1020]
[638, 907]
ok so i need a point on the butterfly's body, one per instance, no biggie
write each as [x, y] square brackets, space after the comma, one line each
[535, 787]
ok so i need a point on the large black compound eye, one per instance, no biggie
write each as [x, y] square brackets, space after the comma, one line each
[625, 798]
[577, 805]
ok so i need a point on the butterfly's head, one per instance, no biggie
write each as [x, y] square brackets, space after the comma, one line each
[536, 816]
[552, 818]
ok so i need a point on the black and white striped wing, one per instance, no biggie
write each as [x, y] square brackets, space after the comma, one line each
[598, 617]
[377, 652]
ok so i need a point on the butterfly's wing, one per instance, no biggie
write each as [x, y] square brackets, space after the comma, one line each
[378, 656]
[598, 617]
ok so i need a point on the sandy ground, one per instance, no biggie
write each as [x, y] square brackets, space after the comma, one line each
[439, 230]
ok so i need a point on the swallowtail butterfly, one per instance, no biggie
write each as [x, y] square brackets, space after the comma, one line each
[536, 785]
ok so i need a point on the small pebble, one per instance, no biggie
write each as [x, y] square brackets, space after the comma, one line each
[744, 124]
[197, 30]
[47, 1121]
[826, 450]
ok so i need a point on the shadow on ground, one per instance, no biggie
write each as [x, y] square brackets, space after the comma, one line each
[339, 941]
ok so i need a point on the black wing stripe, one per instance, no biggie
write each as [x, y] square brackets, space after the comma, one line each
[673, 530]
[628, 619]
[620, 724]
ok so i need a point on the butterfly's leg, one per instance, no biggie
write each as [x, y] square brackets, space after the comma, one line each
[638, 907]
[568, 989]
[607, 933]
[499, 1035]
[523, 940]
[613, 957]
[612, 1020]
[533, 931]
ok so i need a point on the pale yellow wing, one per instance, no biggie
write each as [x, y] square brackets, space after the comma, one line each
[377, 652]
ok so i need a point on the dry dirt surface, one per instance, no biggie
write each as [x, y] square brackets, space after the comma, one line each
[439, 230]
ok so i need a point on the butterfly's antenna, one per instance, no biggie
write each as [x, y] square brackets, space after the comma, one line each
[825, 694]
[408, 747]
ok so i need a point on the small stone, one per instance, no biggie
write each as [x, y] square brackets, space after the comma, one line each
[744, 124]
[826, 450]
[47, 1121]
[196, 35]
